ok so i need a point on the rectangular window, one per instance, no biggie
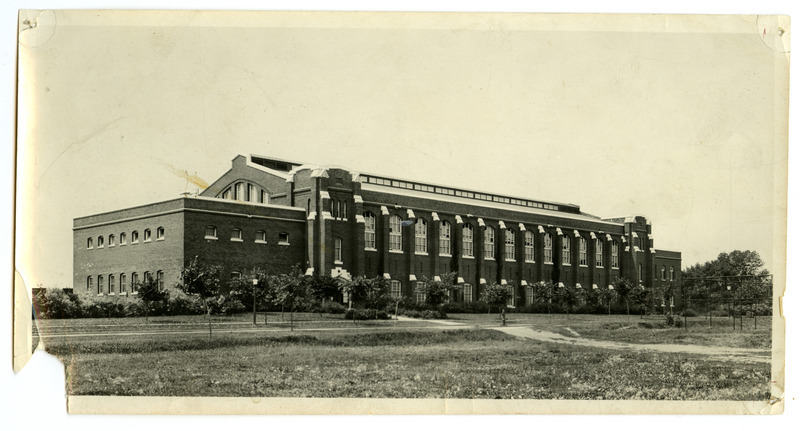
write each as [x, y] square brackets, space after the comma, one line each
[548, 248]
[134, 237]
[598, 253]
[395, 289]
[123, 284]
[239, 194]
[488, 243]
[369, 231]
[337, 250]
[264, 197]
[134, 282]
[252, 196]
[511, 245]
[236, 234]
[99, 284]
[261, 237]
[467, 244]
[615, 254]
[444, 239]
[420, 291]
[566, 250]
[421, 236]
[111, 286]
[395, 234]
[283, 238]
[160, 279]
[89, 284]
[467, 292]
[146, 235]
[211, 232]
[529, 246]
[582, 253]
[160, 234]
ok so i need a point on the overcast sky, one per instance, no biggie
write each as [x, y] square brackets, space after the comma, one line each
[681, 120]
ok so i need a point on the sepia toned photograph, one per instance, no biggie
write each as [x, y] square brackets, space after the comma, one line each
[399, 213]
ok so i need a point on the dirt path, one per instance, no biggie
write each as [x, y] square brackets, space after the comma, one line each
[725, 353]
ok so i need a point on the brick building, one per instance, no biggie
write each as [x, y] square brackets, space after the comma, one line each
[275, 214]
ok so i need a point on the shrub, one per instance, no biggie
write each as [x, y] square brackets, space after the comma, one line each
[365, 314]
[689, 312]
[226, 305]
[331, 307]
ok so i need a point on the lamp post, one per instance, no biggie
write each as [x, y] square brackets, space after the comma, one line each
[733, 308]
[255, 283]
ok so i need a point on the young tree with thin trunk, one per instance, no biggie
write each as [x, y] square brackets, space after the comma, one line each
[202, 280]
[291, 291]
[150, 292]
[498, 294]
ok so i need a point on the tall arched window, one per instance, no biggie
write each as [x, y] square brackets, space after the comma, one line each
[337, 250]
[265, 197]
[99, 284]
[395, 233]
[159, 233]
[89, 243]
[664, 272]
[110, 283]
[548, 248]
[123, 283]
[251, 193]
[582, 254]
[640, 273]
[100, 242]
[111, 241]
[344, 210]
[395, 289]
[160, 279]
[488, 243]
[615, 254]
[369, 231]
[511, 242]
[421, 236]
[467, 248]
[529, 246]
[566, 250]
[598, 253]
[467, 292]
[444, 238]
[123, 238]
[89, 284]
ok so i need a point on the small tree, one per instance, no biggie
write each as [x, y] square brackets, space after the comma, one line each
[606, 296]
[202, 280]
[149, 292]
[259, 293]
[438, 292]
[291, 291]
[322, 288]
[498, 294]
[567, 297]
[624, 288]
[543, 291]
[373, 293]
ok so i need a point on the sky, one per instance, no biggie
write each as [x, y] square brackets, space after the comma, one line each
[682, 120]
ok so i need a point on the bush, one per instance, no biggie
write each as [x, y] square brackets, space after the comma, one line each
[365, 314]
[331, 307]
[689, 312]
[225, 305]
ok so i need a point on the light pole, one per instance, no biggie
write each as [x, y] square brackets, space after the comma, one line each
[255, 283]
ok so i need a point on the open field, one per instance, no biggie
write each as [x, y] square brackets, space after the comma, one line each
[647, 330]
[330, 357]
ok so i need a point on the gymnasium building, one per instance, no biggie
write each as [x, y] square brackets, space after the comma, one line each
[276, 214]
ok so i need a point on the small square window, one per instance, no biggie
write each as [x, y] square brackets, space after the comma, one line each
[283, 238]
[261, 237]
[211, 232]
[236, 234]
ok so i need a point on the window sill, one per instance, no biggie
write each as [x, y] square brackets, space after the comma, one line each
[370, 249]
[112, 245]
[599, 267]
[213, 238]
[396, 251]
[90, 248]
[511, 260]
[135, 242]
[283, 243]
[338, 262]
[99, 294]
[566, 264]
[258, 241]
[445, 255]
[112, 294]
[530, 261]
[236, 240]
[160, 239]
[468, 257]
[488, 258]
[147, 240]
[100, 246]
[124, 243]
[584, 266]
[419, 253]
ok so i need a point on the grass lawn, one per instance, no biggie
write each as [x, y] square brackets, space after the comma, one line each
[647, 330]
[395, 362]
